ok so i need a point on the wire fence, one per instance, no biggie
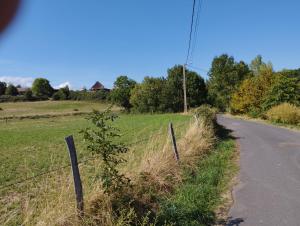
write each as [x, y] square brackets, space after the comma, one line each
[28, 179]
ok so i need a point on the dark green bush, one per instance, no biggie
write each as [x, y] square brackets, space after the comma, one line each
[100, 95]
[284, 90]
[207, 114]
[28, 95]
[20, 98]
[11, 90]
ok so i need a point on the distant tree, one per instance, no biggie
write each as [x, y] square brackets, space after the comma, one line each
[256, 64]
[11, 90]
[66, 91]
[28, 94]
[58, 96]
[148, 96]
[225, 76]
[62, 94]
[196, 89]
[41, 87]
[120, 94]
[291, 73]
[283, 90]
[3, 86]
[250, 96]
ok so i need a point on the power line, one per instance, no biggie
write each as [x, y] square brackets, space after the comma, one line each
[195, 35]
[191, 32]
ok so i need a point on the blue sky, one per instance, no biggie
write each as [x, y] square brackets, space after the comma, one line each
[80, 42]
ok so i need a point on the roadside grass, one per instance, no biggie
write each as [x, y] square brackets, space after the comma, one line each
[195, 201]
[187, 194]
[268, 122]
[29, 147]
[50, 108]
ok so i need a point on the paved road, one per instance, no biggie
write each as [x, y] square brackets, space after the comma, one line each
[268, 192]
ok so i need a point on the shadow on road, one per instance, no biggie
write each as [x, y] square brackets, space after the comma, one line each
[224, 133]
[235, 222]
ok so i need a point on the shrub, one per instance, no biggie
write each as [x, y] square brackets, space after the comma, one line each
[207, 114]
[28, 95]
[100, 142]
[89, 96]
[283, 90]
[8, 98]
[284, 113]
[11, 90]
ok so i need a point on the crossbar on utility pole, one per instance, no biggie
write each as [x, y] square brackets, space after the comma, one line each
[184, 89]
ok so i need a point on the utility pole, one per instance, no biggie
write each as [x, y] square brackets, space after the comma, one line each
[184, 89]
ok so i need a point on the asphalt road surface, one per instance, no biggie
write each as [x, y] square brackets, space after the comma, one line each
[268, 191]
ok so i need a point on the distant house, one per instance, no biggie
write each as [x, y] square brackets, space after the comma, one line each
[22, 91]
[98, 86]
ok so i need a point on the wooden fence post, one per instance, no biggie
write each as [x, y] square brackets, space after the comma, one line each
[171, 131]
[76, 175]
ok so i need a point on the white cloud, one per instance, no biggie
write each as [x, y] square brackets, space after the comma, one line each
[22, 81]
[62, 85]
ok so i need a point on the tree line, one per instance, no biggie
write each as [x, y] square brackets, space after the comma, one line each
[233, 86]
[159, 94]
[251, 89]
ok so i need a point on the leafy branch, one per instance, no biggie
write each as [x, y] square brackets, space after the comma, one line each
[101, 141]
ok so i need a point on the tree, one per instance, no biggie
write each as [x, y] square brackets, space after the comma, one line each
[11, 90]
[256, 64]
[196, 89]
[2, 87]
[149, 95]
[291, 73]
[41, 87]
[120, 94]
[62, 94]
[249, 98]
[225, 76]
[284, 89]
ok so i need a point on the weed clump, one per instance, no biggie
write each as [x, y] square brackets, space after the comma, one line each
[284, 113]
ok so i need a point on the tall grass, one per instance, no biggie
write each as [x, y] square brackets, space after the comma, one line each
[161, 190]
[284, 113]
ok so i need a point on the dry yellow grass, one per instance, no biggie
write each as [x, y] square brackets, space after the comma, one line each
[52, 202]
[284, 113]
[192, 146]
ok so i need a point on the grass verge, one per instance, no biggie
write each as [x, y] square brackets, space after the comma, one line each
[195, 201]
[268, 122]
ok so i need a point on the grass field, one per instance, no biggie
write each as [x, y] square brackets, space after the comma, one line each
[31, 146]
[47, 108]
